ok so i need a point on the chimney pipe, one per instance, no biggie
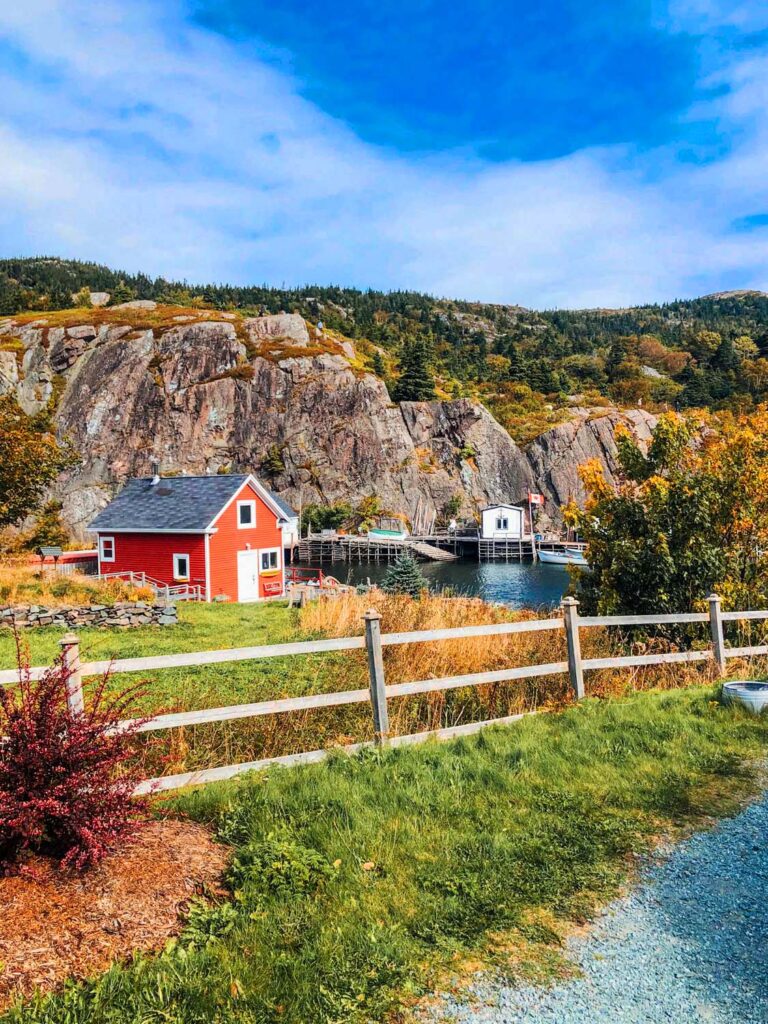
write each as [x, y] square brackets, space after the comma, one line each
[155, 463]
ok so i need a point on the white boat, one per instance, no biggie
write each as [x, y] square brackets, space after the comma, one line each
[569, 556]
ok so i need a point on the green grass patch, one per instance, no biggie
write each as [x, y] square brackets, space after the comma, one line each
[206, 627]
[356, 883]
[201, 627]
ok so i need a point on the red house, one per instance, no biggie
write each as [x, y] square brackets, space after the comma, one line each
[222, 534]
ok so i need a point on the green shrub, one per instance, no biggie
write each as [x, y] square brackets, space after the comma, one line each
[279, 867]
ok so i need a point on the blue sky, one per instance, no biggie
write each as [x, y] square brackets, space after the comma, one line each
[510, 79]
[549, 154]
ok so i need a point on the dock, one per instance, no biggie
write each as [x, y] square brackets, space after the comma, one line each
[332, 547]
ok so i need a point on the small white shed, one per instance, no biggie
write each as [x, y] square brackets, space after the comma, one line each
[289, 522]
[502, 522]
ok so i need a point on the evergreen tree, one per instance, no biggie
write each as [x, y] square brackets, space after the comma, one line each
[121, 293]
[273, 463]
[696, 392]
[415, 383]
[379, 367]
[726, 358]
[541, 377]
[404, 577]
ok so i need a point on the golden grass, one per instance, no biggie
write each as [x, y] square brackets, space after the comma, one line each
[22, 583]
[342, 616]
[163, 316]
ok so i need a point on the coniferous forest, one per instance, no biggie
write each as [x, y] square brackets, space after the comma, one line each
[706, 352]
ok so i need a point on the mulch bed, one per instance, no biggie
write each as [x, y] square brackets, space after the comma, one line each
[58, 924]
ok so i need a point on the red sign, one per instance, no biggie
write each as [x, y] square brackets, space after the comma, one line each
[272, 587]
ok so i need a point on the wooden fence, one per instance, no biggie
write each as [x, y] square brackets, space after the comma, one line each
[378, 692]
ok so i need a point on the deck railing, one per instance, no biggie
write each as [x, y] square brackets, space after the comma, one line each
[169, 591]
[379, 692]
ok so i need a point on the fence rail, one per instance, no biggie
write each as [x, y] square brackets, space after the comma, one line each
[379, 692]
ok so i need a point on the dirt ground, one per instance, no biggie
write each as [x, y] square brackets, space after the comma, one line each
[57, 924]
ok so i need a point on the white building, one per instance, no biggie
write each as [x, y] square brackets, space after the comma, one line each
[289, 522]
[502, 522]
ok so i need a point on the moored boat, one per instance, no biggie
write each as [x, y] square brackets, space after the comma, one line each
[568, 556]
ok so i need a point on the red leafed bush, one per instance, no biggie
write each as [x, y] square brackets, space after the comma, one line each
[66, 778]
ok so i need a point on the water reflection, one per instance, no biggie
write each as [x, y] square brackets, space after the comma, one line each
[518, 584]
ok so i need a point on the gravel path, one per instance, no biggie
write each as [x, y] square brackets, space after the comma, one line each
[689, 944]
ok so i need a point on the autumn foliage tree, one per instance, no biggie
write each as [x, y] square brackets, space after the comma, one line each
[689, 516]
[67, 777]
[30, 459]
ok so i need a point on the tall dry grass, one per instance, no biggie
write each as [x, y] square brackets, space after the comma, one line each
[275, 735]
[23, 583]
[342, 616]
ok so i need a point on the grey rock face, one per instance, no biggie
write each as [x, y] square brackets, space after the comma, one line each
[196, 398]
[85, 331]
[278, 325]
[9, 372]
[555, 456]
[137, 304]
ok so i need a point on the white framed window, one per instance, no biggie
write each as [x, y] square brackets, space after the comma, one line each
[502, 523]
[269, 560]
[181, 567]
[246, 514]
[106, 549]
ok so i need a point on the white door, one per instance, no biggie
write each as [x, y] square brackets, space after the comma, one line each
[247, 576]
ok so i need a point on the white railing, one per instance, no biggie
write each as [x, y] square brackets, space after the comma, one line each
[378, 692]
[179, 591]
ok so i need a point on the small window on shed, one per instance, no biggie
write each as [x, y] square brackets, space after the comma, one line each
[270, 560]
[107, 549]
[181, 567]
[246, 514]
[502, 523]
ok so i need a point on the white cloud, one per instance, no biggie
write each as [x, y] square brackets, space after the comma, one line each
[142, 143]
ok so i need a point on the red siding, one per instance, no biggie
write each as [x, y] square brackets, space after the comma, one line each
[153, 553]
[229, 539]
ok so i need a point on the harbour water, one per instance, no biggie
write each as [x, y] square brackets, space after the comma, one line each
[518, 584]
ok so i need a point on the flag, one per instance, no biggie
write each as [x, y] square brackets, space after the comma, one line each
[535, 499]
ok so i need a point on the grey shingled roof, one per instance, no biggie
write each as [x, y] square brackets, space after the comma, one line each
[175, 503]
[284, 507]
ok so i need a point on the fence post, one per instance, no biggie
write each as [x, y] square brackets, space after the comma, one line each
[575, 671]
[376, 676]
[716, 627]
[70, 656]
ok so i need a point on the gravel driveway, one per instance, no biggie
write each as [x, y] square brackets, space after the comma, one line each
[689, 944]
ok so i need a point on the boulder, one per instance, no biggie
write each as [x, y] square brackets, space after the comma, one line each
[290, 326]
[85, 331]
[65, 352]
[137, 304]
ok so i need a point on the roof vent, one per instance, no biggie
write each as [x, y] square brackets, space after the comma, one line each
[155, 463]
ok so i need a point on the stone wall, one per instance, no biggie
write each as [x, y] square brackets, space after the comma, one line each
[123, 615]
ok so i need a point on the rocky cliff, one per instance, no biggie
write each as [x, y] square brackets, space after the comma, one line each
[205, 392]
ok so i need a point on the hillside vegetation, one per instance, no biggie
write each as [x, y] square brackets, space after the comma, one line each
[706, 352]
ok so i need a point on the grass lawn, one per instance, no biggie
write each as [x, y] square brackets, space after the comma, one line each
[201, 627]
[204, 627]
[356, 882]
